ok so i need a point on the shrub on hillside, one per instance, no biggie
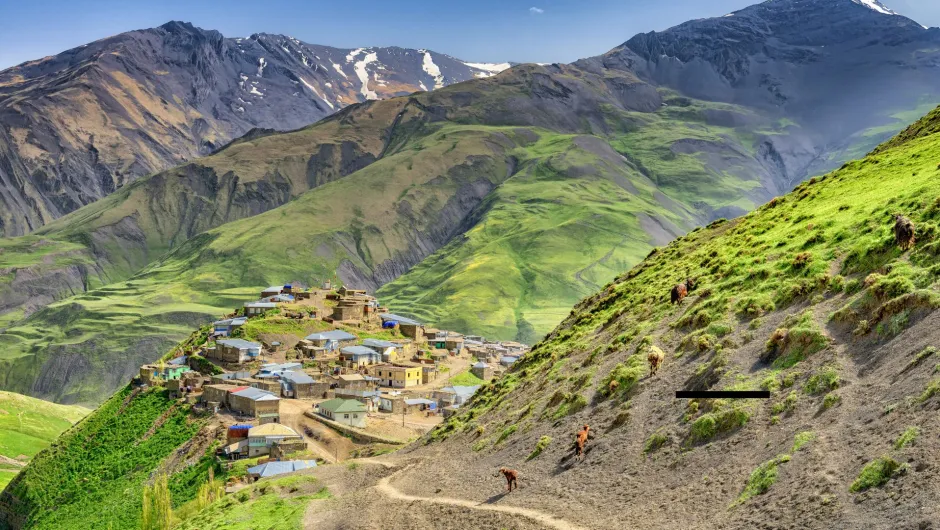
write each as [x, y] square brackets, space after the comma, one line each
[539, 447]
[877, 473]
[762, 478]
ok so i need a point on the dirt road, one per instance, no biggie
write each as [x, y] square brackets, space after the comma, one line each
[386, 488]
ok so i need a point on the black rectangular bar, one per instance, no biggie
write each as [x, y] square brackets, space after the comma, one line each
[725, 394]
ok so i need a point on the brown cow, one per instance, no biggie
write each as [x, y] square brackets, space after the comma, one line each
[681, 290]
[903, 232]
[581, 440]
[655, 358]
[511, 476]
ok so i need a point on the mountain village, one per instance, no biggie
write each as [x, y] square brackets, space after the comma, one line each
[367, 379]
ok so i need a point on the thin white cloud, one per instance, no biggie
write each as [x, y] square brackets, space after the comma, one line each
[536, 10]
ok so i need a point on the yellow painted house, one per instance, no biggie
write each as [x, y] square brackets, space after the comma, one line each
[398, 376]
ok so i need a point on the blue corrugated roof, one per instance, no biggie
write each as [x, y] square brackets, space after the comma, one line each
[279, 468]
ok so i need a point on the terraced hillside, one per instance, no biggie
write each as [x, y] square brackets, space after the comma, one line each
[490, 205]
[809, 297]
[27, 426]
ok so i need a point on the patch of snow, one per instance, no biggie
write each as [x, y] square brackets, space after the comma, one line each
[328, 85]
[494, 68]
[261, 65]
[285, 49]
[432, 69]
[363, 75]
[421, 84]
[352, 55]
[254, 90]
[875, 5]
[730, 15]
[240, 109]
[311, 87]
[339, 69]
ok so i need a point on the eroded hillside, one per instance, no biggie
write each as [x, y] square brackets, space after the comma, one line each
[809, 297]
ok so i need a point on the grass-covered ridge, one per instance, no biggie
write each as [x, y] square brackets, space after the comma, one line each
[793, 297]
[27, 426]
[93, 475]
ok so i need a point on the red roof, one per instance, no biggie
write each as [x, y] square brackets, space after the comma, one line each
[238, 389]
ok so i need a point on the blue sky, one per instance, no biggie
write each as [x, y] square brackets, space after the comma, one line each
[479, 30]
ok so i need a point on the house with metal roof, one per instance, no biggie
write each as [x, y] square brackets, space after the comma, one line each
[261, 438]
[258, 308]
[408, 327]
[455, 395]
[275, 369]
[390, 351]
[358, 356]
[346, 411]
[227, 326]
[391, 317]
[272, 469]
[508, 360]
[234, 351]
[255, 402]
[297, 384]
[331, 340]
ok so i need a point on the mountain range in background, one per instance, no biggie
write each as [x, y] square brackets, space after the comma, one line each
[489, 206]
[79, 125]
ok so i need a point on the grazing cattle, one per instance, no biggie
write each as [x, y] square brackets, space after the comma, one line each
[655, 358]
[511, 476]
[903, 232]
[681, 290]
[581, 440]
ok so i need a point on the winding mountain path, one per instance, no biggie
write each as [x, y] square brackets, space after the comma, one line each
[385, 488]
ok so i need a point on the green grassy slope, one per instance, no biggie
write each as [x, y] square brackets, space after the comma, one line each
[556, 152]
[113, 329]
[93, 475]
[27, 426]
[809, 297]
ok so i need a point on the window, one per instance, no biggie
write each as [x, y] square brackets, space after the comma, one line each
[346, 416]
[355, 415]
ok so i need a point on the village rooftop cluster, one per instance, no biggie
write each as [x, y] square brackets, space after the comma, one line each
[364, 372]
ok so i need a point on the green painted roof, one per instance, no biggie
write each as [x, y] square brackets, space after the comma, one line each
[342, 405]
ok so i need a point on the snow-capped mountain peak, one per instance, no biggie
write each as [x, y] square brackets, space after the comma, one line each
[875, 5]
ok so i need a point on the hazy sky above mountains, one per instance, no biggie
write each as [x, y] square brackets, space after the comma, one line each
[481, 31]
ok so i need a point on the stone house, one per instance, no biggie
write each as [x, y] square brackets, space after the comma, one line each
[254, 402]
[297, 385]
[331, 340]
[235, 351]
[482, 370]
[258, 308]
[224, 328]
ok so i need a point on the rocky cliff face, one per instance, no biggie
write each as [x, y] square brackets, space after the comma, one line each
[81, 124]
[832, 66]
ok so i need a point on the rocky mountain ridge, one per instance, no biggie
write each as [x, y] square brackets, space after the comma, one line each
[79, 125]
